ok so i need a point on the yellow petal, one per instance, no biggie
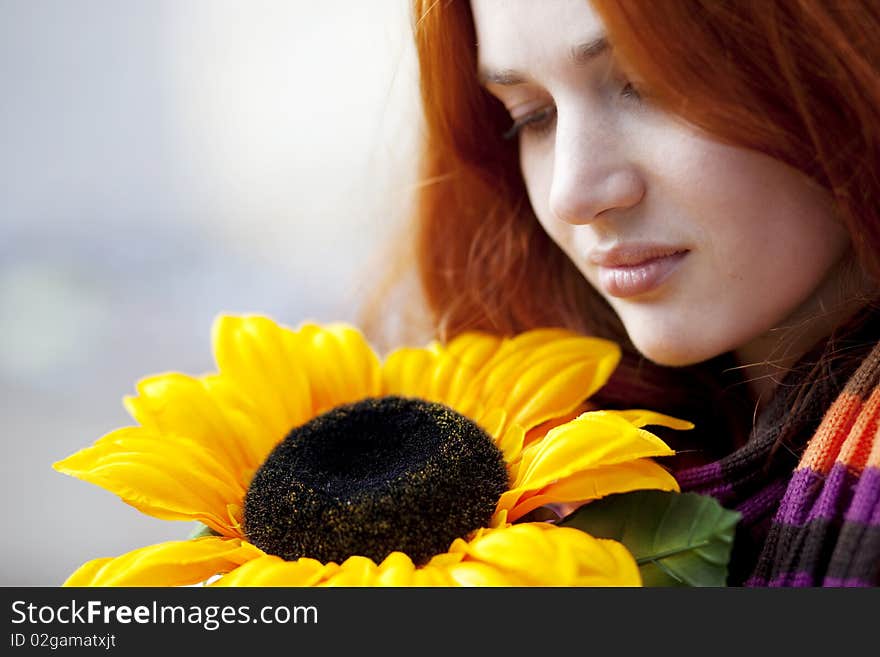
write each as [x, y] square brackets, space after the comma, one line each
[247, 420]
[540, 554]
[518, 548]
[511, 443]
[339, 363]
[406, 372]
[355, 571]
[533, 377]
[457, 366]
[396, 569]
[438, 373]
[165, 476]
[493, 421]
[642, 474]
[544, 373]
[474, 573]
[263, 359]
[431, 576]
[591, 440]
[641, 418]
[270, 570]
[176, 563]
[539, 431]
[178, 404]
[454, 555]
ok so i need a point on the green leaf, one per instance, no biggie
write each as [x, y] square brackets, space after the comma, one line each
[678, 539]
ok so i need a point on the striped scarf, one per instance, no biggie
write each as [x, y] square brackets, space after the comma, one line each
[808, 482]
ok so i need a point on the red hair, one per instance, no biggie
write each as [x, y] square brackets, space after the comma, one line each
[797, 80]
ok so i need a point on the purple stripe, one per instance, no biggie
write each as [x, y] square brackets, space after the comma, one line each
[865, 507]
[722, 492]
[693, 478]
[836, 495]
[811, 496]
[796, 580]
[706, 480]
[755, 582]
[763, 502]
[848, 582]
[802, 490]
[801, 580]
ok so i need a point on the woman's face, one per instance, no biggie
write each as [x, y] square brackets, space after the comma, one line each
[700, 247]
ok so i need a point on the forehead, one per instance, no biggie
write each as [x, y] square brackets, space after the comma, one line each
[520, 33]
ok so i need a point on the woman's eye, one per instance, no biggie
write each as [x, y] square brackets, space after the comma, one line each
[541, 122]
[536, 123]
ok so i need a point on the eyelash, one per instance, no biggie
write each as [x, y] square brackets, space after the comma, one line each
[536, 123]
[540, 122]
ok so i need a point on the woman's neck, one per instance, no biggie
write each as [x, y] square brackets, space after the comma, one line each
[767, 359]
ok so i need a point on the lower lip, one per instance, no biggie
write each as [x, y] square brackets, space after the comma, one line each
[638, 279]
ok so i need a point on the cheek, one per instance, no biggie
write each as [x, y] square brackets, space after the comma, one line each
[537, 172]
[764, 267]
[770, 232]
[784, 264]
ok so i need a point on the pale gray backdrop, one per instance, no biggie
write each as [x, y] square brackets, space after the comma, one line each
[162, 161]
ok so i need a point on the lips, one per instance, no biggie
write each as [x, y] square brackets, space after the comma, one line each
[633, 269]
[628, 255]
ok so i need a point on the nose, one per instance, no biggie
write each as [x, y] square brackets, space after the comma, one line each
[593, 171]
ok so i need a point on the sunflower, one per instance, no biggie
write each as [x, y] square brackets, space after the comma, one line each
[311, 461]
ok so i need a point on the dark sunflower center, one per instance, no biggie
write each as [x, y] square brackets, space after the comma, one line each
[369, 478]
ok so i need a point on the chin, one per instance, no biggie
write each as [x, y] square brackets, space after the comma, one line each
[675, 351]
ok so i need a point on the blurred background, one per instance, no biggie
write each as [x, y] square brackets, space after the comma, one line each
[162, 162]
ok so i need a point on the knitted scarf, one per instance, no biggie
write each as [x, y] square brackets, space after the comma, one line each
[808, 482]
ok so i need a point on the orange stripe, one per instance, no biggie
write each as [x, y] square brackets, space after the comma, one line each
[824, 447]
[857, 448]
[874, 455]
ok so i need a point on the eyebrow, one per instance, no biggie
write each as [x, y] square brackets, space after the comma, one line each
[580, 54]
